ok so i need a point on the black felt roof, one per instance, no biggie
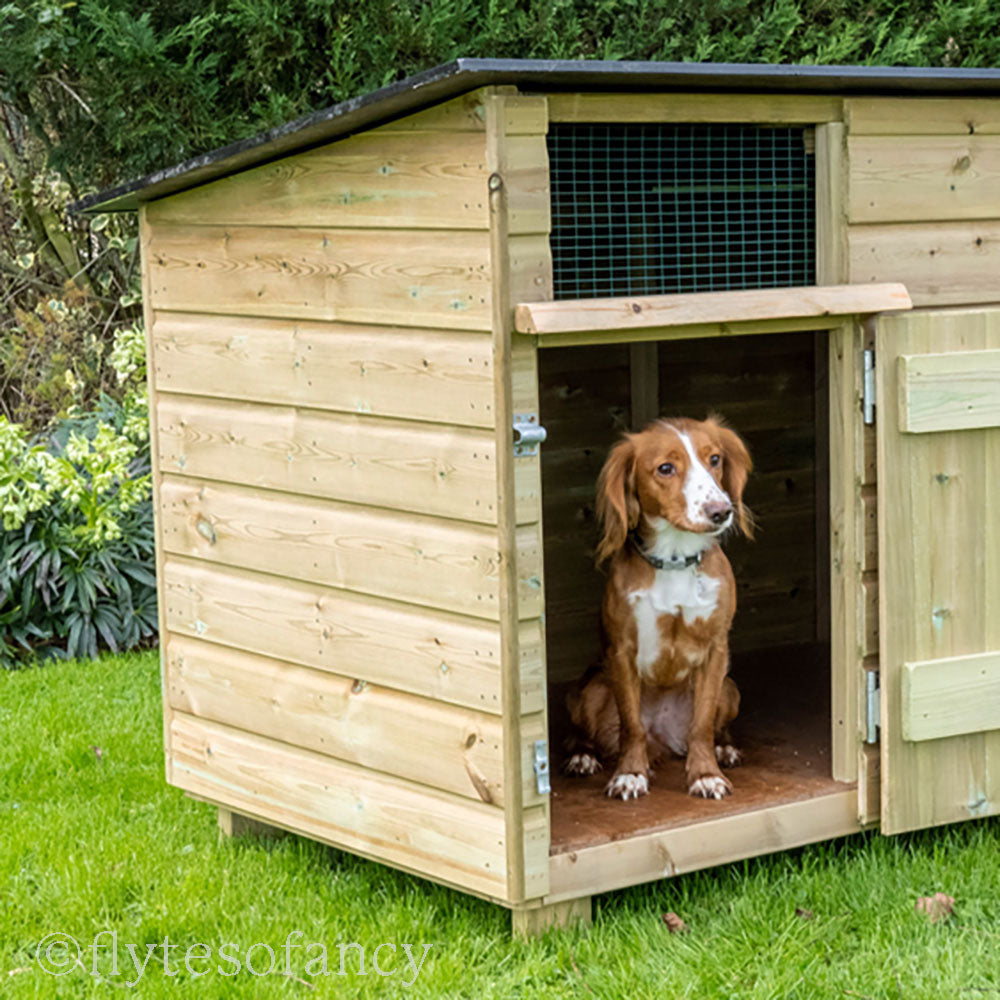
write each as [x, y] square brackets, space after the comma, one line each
[462, 75]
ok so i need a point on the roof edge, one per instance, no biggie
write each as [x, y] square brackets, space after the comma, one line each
[353, 114]
[461, 75]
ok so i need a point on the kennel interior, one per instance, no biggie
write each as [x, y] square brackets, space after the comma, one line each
[772, 388]
[375, 583]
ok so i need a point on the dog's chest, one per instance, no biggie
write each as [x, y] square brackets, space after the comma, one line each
[684, 594]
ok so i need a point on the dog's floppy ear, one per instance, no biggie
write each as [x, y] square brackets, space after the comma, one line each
[736, 468]
[617, 502]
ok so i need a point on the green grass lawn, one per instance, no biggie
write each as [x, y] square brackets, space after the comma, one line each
[97, 842]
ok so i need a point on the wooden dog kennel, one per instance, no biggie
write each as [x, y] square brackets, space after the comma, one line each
[376, 580]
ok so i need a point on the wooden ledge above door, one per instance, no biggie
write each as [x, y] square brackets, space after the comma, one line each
[703, 314]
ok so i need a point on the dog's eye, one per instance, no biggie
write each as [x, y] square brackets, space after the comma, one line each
[714, 460]
[667, 469]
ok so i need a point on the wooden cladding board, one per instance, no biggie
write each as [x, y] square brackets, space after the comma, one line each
[949, 392]
[381, 370]
[707, 308]
[438, 834]
[923, 178]
[425, 468]
[912, 116]
[449, 565]
[778, 109]
[437, 279]
[951, 696]
[922, 203]
[437, 655]
[941, 263]
[434, 180]
[666, 853]
[462, 114]
[455, 749]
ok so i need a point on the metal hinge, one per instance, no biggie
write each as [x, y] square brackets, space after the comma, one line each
[873, 706]
[542, 767]
[528, 434]
[868, 387]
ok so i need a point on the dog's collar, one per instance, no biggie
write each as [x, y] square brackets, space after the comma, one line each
[678, 562]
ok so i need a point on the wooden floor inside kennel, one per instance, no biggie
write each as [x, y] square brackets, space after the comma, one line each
[784, 734]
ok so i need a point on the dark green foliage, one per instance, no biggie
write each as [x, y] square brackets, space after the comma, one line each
[120, 87]
[67, 590]
[61, 599]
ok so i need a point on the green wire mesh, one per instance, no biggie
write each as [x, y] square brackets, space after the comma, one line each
[666, 208]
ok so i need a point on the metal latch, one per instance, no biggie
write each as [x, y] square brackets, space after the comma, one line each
[528, 434]
[873, 707]
[542, 767]
[868, 387]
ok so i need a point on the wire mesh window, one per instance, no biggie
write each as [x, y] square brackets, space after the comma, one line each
[666, 208]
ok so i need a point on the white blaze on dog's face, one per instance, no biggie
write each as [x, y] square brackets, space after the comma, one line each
[707, 502]
[679, 477]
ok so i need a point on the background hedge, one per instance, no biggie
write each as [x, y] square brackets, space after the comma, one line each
[119, 88]
[93, 92]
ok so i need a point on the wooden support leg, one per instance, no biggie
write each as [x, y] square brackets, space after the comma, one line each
[533, 922]
[232, 824]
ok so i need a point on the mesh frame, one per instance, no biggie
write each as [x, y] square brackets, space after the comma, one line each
[656, 209]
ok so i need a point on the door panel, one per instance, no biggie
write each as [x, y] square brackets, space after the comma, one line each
[938, 430]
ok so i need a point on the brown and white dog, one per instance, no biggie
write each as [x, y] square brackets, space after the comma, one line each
[664, 498]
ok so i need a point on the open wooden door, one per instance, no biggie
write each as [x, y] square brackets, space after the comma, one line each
[938, 393]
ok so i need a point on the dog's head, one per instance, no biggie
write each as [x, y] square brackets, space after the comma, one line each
[691, 473]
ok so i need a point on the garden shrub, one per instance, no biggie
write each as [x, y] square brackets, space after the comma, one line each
[76, 538]
[59, 312]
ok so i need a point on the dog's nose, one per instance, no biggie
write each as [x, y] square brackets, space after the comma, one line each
[718, 510]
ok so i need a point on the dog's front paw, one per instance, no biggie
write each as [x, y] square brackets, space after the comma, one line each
[582, 765]
[712, 786]
[728, 756]
[627, 786]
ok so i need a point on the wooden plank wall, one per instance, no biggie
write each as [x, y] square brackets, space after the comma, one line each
[923, 202]
[585, 407]
[329, 501]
